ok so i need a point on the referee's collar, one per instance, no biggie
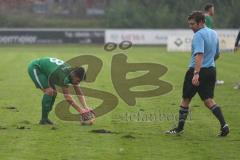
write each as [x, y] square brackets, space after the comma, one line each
[200, 29]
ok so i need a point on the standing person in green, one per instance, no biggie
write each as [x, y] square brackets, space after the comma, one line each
[47, 73]
[209, 12]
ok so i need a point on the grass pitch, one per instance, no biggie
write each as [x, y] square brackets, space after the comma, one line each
[123, 135]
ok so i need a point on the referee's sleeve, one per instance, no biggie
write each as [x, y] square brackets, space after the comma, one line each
[198, 44]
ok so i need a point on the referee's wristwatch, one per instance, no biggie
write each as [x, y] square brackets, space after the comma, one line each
[196, 72]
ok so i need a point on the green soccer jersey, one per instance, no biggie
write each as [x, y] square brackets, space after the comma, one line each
[55, 69]
[209, 21]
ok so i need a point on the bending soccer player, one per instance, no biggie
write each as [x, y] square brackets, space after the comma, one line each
[47, 73]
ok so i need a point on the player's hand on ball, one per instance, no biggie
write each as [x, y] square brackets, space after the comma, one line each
[87, 117]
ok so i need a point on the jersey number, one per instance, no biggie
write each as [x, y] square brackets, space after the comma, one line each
[56, 61]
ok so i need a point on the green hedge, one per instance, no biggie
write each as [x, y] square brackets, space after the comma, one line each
[134, 14]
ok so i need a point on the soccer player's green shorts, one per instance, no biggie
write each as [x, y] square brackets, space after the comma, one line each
[39, 79]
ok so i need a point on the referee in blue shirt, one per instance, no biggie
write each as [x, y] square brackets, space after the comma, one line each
[201, 75]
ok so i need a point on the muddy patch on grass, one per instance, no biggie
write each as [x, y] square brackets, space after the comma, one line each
[10, 107]
[195, 105]
[25, 122]
[103, 131]
[54, 128]
[22, 127]
[2, 128]
[128, 136]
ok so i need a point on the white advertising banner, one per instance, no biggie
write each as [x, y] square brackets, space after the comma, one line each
[179, 43]
[175, 39]
[183, 43]
[142, 36]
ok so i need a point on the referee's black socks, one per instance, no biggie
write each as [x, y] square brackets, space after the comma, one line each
[216, 110]
[183, 113]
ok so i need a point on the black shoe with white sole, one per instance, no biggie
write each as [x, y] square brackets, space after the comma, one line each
[175, 131]
[224, 131]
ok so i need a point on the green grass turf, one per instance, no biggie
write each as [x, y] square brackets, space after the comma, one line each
[131, 139]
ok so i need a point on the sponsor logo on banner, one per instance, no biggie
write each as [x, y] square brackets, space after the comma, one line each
[139, 36]
[18, 39]
[51, 36]
[183, 43]
[179, 43]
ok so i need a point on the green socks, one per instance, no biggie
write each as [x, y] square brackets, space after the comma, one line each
[47, 103]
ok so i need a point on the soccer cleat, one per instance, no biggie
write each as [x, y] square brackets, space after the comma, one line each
[46, 122]
[50, 122]
[175, 131]
[42, 122]
[224, 131]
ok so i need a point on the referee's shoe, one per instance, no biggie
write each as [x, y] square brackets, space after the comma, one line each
[175, 131]
[224, 131]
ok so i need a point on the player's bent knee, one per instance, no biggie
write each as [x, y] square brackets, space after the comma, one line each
[50, 91]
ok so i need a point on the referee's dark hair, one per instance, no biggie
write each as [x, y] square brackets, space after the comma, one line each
[198, 16]
[208, 6]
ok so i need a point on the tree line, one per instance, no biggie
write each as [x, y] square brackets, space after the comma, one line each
[128, 14]
[169, 13]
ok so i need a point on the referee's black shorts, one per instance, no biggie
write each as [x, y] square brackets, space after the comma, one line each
[207, 79]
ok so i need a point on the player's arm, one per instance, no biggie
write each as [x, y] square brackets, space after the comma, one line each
[217, 55]
[70, 100]
[198, 64]
[198, 52]
[80, 96]
[237, 41]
